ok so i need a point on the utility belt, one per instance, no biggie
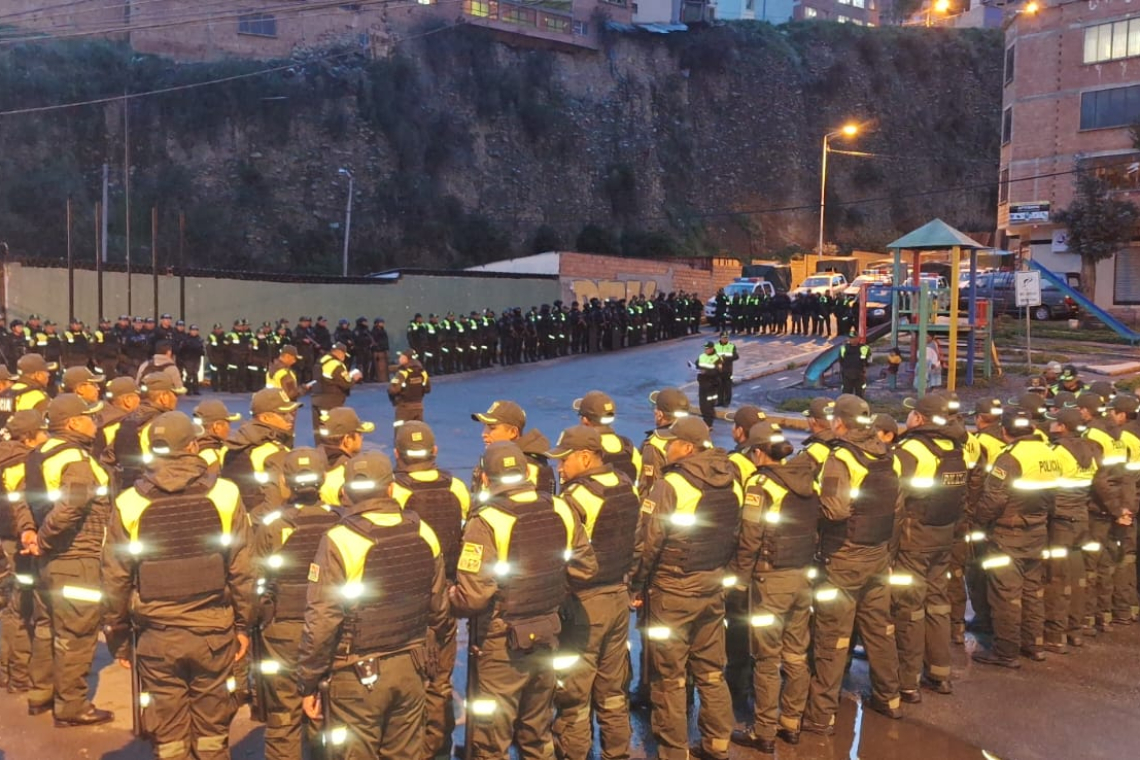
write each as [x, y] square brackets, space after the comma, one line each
[368, 667]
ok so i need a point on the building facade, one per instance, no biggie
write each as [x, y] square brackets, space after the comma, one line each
[1071, 96]
[859, 12]
[190, 30]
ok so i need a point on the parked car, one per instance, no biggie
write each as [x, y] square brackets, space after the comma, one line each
[999, 287]
[879, 303]
[870, 279]
[745, 286]
[830, 283]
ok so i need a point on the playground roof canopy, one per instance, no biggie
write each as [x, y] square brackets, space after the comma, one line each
[935, 235]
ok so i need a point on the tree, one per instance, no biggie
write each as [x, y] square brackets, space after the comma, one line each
[545, 238]
[596, 239]
[1099, 225]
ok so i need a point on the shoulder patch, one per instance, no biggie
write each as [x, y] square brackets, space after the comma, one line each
[648, 506]
[998, 473]
[314, 572]
[647, 470]
[471, 559]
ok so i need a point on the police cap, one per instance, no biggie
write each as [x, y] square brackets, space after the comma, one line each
[65, 406]
[172, 433]
[31, 363]
[74, 377]
[415, 440]
[502, 413]
[672, 402]
[746, 417]
[819, 409]
[504, 463]
[596, 407]
[304, 468]
[367, 473]
[343, 421]
[577, 438]
[213, 410]
[689, 429]
[24, 424]
[121, 386]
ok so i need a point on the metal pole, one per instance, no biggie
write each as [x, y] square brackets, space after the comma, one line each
[127, 190]
[181, 265]
[70, 268]
[154, 255]
[100, 253]
[4, 280]
[347, 225]
[952, 348]
[823, 191]
[102, 215]
[1028, 340]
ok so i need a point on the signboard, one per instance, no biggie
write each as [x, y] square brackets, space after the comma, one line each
[1027, 288]
[1060, 241]
[1029, 213]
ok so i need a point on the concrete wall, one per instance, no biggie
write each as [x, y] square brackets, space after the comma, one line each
[43, 290]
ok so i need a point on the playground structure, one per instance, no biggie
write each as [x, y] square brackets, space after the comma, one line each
[1087, 305]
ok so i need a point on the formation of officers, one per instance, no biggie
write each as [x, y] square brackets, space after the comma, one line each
[781, 313]
[447, 343]
[325, 584]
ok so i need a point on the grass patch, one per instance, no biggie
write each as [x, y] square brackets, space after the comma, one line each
[798, 404]
[1008, 329]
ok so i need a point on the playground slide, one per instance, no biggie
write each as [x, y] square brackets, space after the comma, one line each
[1110, 321]
[813, 374]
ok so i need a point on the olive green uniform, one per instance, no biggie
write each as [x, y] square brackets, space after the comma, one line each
[187, 599]
[1068, 532]
[858, 486]
[514, 649]
[686, 537]
[76, 497]
[1019, 494]
[596, 621]
[778, 541]
[375, 677]
[1105, 508]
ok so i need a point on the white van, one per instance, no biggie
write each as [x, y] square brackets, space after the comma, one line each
[745, 286]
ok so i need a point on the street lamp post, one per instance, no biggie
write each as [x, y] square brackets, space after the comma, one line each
[942, 6]
[848, 130]
[347, 221]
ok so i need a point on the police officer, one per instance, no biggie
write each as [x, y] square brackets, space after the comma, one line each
[726, 350]
[217, 359]
[255, 451]
[407, 389]
[284, 547]
[709, 368]
[859, 489]
[67, 492]
[162, 362]
[334, 384]
[506, 421]
[854, 356]
[30, 391]
[76, 348]
[26, 430]
[342, 437]
[176, 569]
[189, 352]
[105, 349]
[1111, 515]
[1124, 409]
[743, 420]
[518, 552]
[774, 562]
[1116, 411]
[442, 501]
[821, 435]
[1018, 496]
[131, 450]
[933, 479]
[380, 343]
[281, 374]
[377, 598]
[669, 405]
[685, 538]
[597, 410]
[1068, 532]
[596, 616]
[83, 383]
[122, 398]
[215, 420]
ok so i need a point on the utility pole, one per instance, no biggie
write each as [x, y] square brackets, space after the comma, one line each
[347, 222]
[101, 216]
[127, 188]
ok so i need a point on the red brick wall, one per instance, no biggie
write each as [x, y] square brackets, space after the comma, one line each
[702, 276]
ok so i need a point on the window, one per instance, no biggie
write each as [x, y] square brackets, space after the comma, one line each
[1109, 42]
[842, 19]
[481, 8]
[859, 3]
[1009, 64]
[558, 24]
[1127, 281]
[1119, 172]
[1003, 186]
[1007, 125]
[258, 24]
[581, 28]
[1116, 107]
[810, 13]
[513, 14]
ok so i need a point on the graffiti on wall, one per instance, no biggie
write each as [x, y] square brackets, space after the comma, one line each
[584, 290]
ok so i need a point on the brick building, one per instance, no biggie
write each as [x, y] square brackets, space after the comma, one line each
[192, 30]
[1071, 93]
[860, 12]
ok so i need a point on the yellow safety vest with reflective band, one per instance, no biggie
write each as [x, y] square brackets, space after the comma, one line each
[457, 489]
[330, 489]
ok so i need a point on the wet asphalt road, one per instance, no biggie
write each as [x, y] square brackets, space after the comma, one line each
[1077, 706]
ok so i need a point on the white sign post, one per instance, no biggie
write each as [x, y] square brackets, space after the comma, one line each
[1027, 292]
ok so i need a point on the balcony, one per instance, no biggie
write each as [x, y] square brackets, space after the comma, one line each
[539, 20]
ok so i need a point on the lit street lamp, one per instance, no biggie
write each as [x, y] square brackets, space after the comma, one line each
[848, 130]
[942, 6]
[347, 221]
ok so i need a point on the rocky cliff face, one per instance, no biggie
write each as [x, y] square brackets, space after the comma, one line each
[465, 149]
